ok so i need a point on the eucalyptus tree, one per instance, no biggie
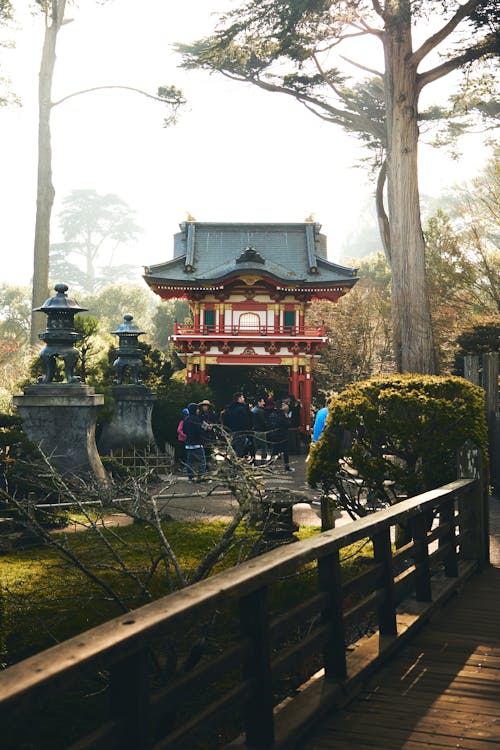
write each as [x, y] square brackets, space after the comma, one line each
[299, 47]
[53, 13]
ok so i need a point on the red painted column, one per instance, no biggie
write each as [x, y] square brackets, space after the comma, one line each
[196, 317]
[301, 321]
[203, 371]
[293, 385]
[307, 403]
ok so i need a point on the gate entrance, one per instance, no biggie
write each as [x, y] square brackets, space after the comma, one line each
[249, 287]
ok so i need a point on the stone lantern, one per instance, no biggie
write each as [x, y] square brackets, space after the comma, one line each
[130, 356]
[59, 335]
[61, 417]
[130, 427]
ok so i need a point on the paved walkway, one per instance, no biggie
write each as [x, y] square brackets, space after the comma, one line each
[188, 502]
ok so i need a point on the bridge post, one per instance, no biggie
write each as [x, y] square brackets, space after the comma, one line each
[447, 517]
[386, 611]
[129, 692]
[254, 624]
[474, 508]
[423, 591]
[329, 571]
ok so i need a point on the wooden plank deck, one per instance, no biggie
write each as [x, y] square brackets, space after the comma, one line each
[442, 691]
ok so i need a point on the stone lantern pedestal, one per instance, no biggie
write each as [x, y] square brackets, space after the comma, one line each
[61, 418]
[130, 426]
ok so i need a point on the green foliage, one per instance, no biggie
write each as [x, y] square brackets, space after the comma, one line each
[110, 304]
[15, 311]
[480, 338]
[405, 428]
[15, 314]
[156, 371]
[163, 319]
[359, 328]
[175, 99]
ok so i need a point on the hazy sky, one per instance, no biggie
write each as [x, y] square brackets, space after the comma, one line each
[237, 154]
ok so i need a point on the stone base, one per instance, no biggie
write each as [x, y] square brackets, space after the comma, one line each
[130, 426]
[61, 418]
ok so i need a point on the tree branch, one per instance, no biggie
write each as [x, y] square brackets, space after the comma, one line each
[362, 67]
[339, 116]
[166, 545]
[474, 53]
[125, 88]
[377, 7]
[445, 31]
[383, 220]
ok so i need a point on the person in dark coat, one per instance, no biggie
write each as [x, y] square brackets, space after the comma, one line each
[277, 422]
[238, 422]
[195, 453]
[209, 435]
[293, 428]
[259, 427]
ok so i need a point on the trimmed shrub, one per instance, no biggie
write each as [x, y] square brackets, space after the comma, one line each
[405, 428]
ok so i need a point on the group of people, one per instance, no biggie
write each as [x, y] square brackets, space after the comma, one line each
[263, 428]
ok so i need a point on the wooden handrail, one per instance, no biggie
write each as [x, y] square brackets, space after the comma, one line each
[120, 645]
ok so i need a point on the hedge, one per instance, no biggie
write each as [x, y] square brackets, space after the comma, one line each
[405, 428]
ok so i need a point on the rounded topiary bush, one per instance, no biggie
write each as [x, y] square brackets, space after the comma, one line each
[405, 428]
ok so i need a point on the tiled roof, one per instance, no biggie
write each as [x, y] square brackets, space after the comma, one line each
[209, 252]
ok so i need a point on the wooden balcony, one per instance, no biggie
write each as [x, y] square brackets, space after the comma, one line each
[246, 332]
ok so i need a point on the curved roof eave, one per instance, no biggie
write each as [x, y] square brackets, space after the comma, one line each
[191, 282]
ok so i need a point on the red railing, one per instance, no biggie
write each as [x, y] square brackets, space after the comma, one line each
[235, 330]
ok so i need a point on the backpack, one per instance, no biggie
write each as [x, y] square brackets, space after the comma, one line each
[181, 435]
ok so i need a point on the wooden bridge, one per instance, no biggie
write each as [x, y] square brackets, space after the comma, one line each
[426, 676]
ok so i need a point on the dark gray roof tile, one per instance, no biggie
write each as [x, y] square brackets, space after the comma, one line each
[288, 252]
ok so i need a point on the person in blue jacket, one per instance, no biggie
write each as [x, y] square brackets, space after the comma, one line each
[319, 424]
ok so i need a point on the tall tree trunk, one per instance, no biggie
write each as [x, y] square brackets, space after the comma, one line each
[412, 327]
[45, 189]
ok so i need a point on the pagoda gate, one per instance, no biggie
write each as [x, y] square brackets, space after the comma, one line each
[249, 286]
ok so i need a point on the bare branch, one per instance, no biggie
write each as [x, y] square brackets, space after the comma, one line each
[155, 98]
[32, 523]
[362, 67]
[166, 545]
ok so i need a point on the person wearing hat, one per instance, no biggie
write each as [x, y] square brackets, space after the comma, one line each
[208, 420]
[195, 452]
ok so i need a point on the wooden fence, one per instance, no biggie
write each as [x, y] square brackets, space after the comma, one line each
[238, 678]
[139, 460]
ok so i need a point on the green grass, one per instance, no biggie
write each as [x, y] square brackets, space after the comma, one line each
[46, 599]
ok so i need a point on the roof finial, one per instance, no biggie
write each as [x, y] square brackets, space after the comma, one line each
[189, 217]
[310, 218]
